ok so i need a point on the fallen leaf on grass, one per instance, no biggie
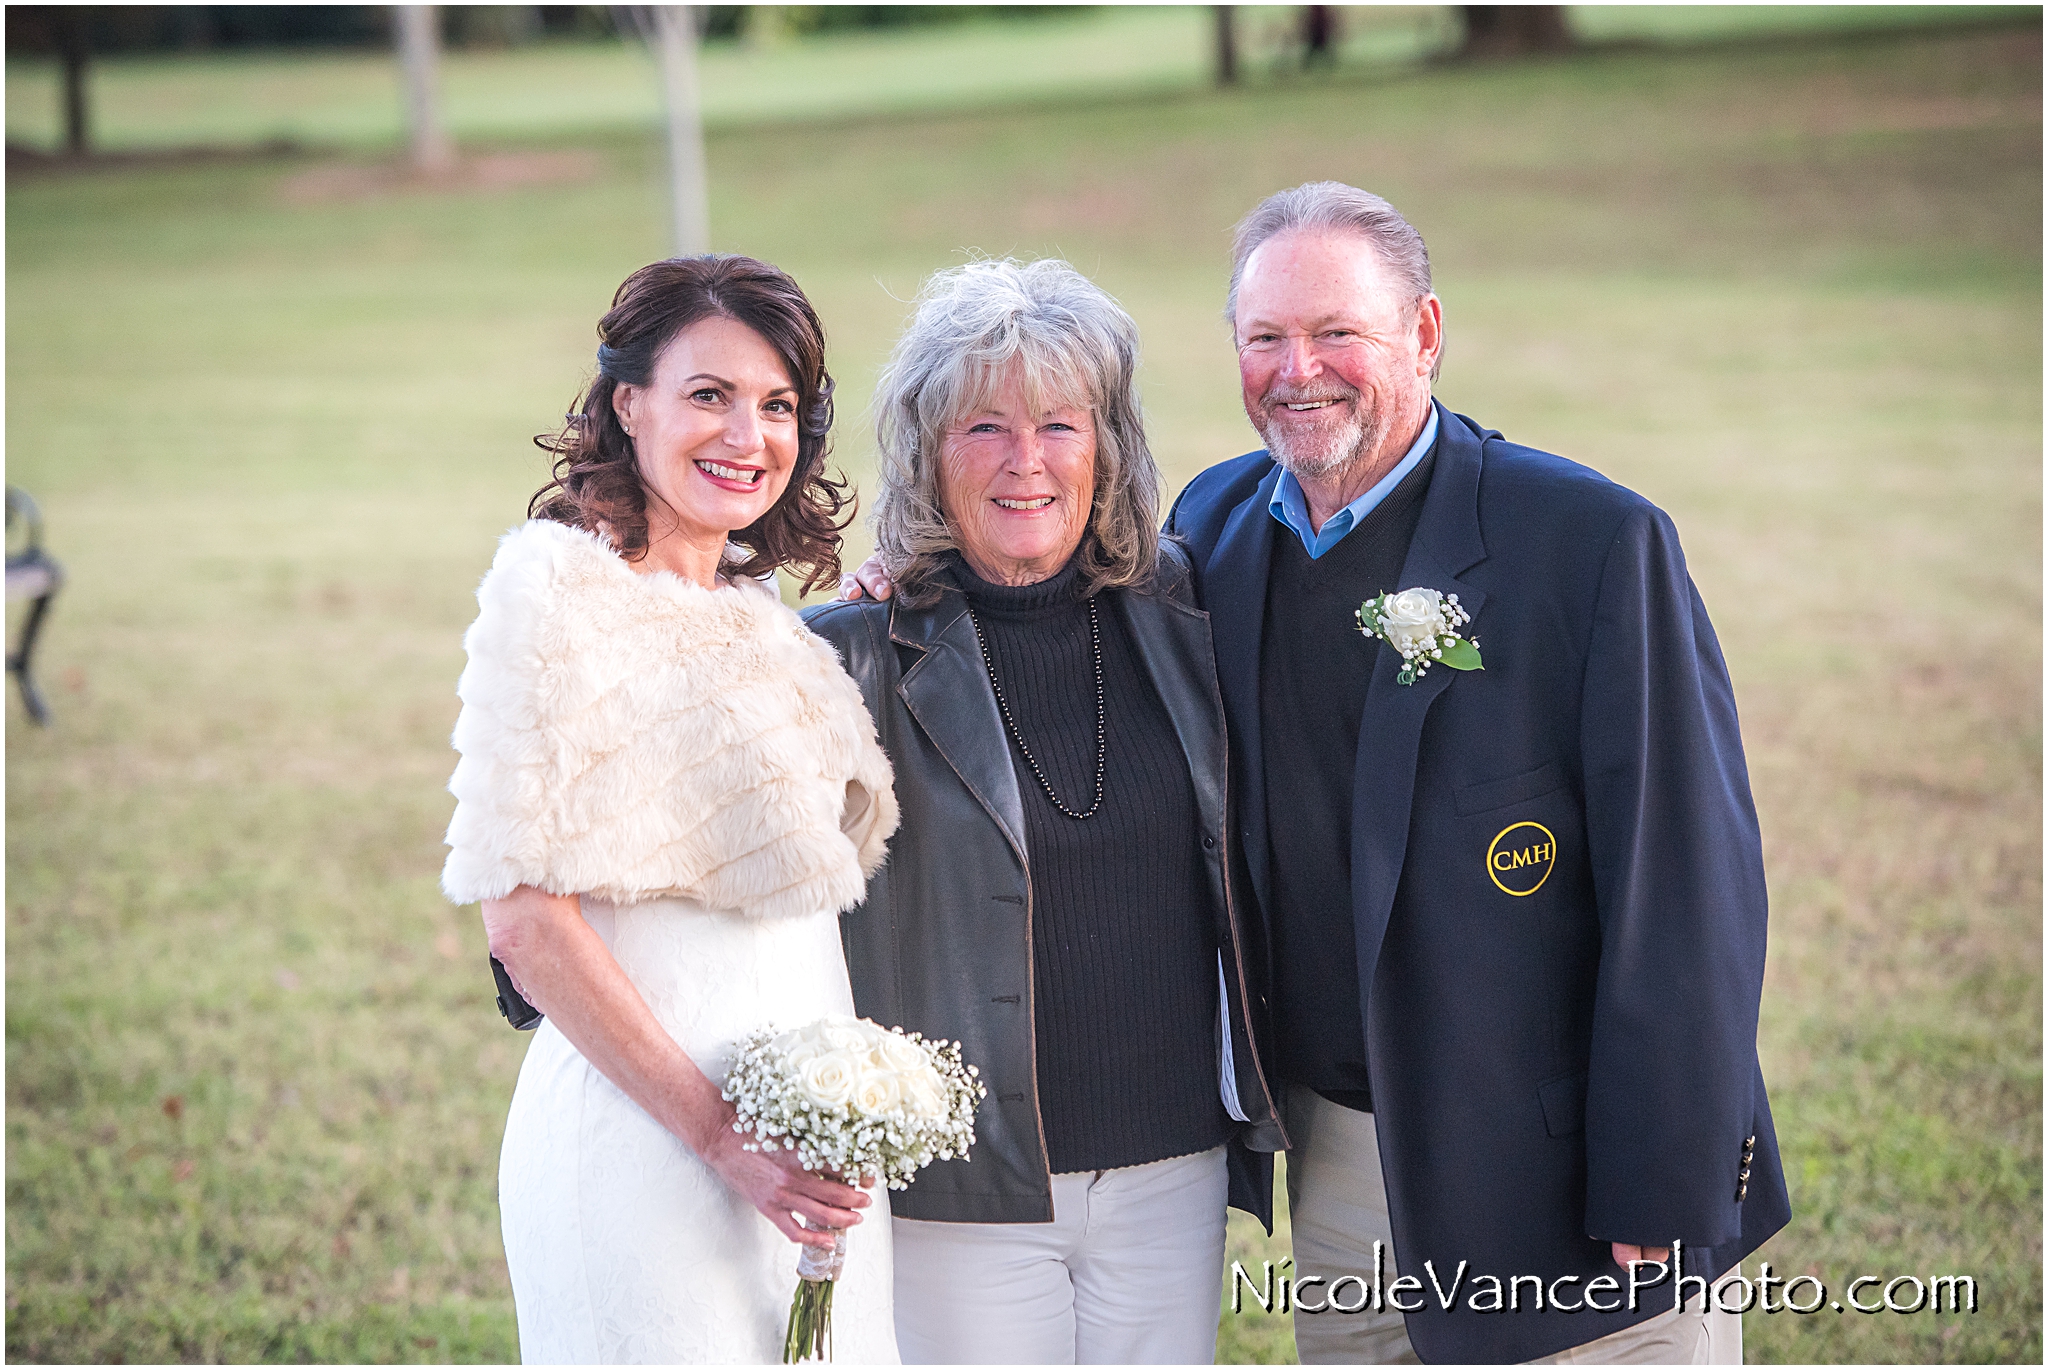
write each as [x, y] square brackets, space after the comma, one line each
[183, 1170]
[174, 1106]
[426, 1343]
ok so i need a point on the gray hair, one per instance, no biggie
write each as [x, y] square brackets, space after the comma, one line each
[1334, 206]
[1077, 346]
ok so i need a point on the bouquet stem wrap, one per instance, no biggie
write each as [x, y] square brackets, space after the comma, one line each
[810, 1312]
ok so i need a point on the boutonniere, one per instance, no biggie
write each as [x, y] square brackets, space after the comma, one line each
[1423, 626]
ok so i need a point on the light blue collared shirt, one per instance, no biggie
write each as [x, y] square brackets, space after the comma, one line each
[1290, 506]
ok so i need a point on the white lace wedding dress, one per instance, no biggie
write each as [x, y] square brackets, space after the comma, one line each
[624, 1247]
[697, 767]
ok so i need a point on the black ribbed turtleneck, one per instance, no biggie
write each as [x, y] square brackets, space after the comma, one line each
[1123, 948]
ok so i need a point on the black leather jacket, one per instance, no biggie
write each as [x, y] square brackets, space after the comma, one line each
[942, 943]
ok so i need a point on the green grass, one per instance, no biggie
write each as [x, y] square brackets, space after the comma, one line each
[555, 89]
[1770, 23]
[1792, 295]
[579, 89]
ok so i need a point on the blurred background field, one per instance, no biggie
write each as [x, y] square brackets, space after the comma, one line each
[562, 86]
[1778, 270]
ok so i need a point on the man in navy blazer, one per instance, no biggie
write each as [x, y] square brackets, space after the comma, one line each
[1514, 916]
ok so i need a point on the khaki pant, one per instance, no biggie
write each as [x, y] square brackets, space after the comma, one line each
[1126, 1273]
[1338, 1206]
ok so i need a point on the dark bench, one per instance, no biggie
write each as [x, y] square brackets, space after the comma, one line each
[32, 575]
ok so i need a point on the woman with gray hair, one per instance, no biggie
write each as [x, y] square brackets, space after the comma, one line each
[1059, 895]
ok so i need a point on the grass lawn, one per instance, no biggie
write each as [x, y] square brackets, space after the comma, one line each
[276, 417]
[351, 100]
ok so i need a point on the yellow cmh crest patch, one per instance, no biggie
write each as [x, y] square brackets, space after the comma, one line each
[1520, 858]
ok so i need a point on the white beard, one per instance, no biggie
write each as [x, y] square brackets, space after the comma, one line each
[1327, 448]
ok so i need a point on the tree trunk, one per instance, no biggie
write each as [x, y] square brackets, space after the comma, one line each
[675, 41]
[419, 57]
[1318, 36]
[1513, 30]
[1226, 44]
[72, 47]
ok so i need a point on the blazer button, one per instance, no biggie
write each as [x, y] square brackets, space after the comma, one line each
[1741, 1192]
[1742, 1175]
[1750, 1140]
[1209, 842]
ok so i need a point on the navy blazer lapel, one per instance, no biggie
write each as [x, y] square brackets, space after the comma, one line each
[1234, 593]
[947, 691]
[1447, 542]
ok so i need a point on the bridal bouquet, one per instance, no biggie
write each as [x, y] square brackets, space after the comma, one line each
[854, 1100]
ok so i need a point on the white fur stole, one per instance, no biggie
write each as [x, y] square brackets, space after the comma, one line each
[638, 736]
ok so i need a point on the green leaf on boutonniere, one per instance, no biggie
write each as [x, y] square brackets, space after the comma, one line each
[1462, 656]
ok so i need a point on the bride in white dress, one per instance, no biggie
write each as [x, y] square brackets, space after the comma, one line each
[668, 789]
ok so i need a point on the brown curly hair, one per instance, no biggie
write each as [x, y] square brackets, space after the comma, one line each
[596, 484]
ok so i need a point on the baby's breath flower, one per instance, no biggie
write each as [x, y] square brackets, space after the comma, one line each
[854, 1099]
[1421, 625]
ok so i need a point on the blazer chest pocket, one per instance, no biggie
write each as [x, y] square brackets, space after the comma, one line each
[1514, 789]
[1517, 836]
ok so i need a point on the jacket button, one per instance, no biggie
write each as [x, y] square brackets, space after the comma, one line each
[1742, 1175]
[1741, 1192]
[1209, 842]
[1750, 1140]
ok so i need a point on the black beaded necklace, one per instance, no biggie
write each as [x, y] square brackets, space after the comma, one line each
[1101, 715]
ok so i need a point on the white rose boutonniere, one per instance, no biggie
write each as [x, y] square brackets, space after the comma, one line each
[1422, 625]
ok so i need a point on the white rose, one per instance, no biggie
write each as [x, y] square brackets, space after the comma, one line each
[840, 1033]
[826, 1080]
[1413, 620]
[877, 1093]
[922, 1096]
[795, 1046]
[900, 1053]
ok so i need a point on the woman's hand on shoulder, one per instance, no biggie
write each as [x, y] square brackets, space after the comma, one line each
[773, 1182]
[868, 577]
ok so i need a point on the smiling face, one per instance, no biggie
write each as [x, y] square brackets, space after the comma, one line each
[1334, 358]
[714, 434]
[1017, 486]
